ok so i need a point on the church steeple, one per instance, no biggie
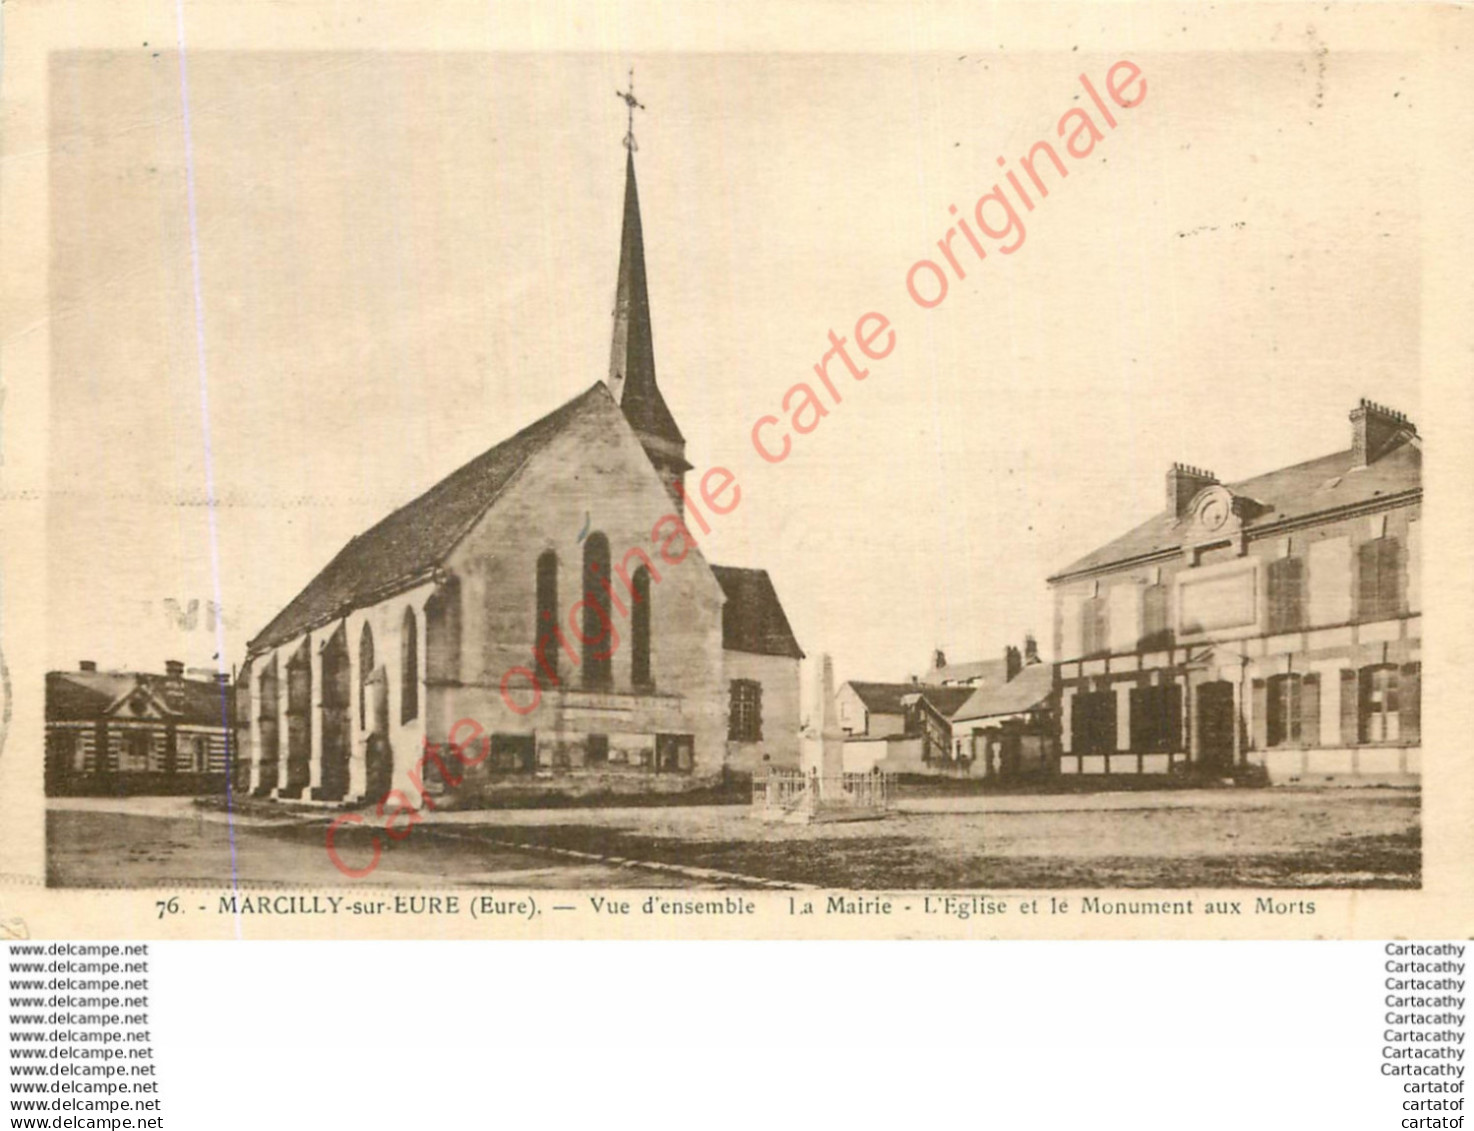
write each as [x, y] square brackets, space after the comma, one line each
[632, 357]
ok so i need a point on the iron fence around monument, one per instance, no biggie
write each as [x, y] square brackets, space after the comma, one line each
[793, 789]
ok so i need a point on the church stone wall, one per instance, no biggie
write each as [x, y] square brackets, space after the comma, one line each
[594, 477]
[404, 739]
[781, 699]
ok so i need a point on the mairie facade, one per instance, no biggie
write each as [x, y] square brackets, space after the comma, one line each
[1263, 629]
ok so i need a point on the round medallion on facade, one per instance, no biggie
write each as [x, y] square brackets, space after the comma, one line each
[1213, 509]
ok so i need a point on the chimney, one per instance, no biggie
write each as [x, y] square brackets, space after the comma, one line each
[1183, 484]
[174, 684]
[1013, 663]
[1031, 650]
[1375, 430]
[938, 660]
[87, 665]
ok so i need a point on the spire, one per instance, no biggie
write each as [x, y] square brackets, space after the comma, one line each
[632, 359]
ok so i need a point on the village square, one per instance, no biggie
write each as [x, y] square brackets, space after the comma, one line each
[531, 676]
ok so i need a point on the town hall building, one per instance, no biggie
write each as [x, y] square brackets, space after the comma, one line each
[545, 600]
[1264, 629]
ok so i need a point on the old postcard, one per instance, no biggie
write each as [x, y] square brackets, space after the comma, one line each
[480, 476]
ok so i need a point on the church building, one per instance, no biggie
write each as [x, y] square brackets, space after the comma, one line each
[1268, 629]
[545, 601]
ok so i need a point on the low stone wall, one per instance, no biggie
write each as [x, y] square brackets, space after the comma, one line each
[1354, 765]
[1349, 765]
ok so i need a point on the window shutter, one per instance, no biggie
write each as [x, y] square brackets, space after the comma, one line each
[1410, 701]
[1310, 710]
[757, 712]
[1140, 725]
[1379, 584]
[1286, 594]
[1367, 560]
[1261, 714]
[1296, 597]
[1412, 566]
[1292, 709]
[1274, 578]
[1107, 732]
[1389, 584]
[1174, 717]
[1350, 707]
[1154, 617]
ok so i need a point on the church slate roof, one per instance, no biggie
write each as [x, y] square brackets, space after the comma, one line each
[632, 357]
[1301, 491]
[753, 619]
[412, 541]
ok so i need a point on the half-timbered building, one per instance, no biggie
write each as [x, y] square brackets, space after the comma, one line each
[1266, 627]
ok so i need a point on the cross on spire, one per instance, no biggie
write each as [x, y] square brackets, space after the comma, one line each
[631, 105]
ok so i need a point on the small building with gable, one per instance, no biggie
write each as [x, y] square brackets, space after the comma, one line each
[897, 727]
[127, 733]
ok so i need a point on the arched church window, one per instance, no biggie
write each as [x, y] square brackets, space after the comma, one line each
[443, 633]
[409, 669]
[598, 627]
[640, 615]
[365, 672]
[545, 650]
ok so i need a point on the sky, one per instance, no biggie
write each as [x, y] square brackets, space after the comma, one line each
[314, 284]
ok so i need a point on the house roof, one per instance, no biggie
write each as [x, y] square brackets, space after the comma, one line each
[1300, 491]
[89, 696]
[889, 698]
[1024, 692]
[413, 540]
[752, 618]
[987, 671]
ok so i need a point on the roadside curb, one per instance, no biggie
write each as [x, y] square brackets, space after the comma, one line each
[684, 870]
